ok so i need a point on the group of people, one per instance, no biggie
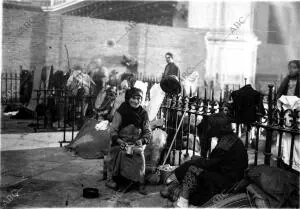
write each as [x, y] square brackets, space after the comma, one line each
[198, 179]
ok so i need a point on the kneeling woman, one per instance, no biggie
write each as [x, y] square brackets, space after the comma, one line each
[199, 179]
[130, 131]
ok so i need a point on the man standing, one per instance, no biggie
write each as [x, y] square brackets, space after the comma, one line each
[170, 81]
[171, 68]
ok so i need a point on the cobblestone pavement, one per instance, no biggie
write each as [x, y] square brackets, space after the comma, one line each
[36, 172]
[53, 177]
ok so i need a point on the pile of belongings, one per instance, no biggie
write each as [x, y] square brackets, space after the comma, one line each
[92, 140]
[262, 187]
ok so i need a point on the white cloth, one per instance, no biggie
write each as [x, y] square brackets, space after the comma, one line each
[118, 101]
[103, 125]
[143, 86]
[182, 203]
[157, 96]
[159, 138]
[191, 83]
[290, 102]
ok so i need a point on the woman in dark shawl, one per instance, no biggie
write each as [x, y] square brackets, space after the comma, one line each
[130, 126]
[201, 178]
[290, 85]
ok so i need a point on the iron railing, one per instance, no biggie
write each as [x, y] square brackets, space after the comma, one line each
[276, 121]
[10, 88]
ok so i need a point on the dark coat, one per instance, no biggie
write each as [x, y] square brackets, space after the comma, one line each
[172, 69]
[228, 158]
[224, 167]
[247, 103]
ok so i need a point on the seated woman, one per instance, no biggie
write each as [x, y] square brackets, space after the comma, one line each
[201, 178]
[130, 127]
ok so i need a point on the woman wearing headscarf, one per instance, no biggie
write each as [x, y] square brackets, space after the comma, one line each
[290, 85]
[199, 179]
[130, 126]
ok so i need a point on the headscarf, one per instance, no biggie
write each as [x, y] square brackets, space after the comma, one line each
[216, 125]
[136, 116]
[132, 93]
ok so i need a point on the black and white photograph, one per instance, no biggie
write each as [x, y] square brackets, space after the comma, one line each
[150, 104]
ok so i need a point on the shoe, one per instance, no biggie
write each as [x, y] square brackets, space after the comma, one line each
[181, 203]
[165, 192]
[142, 189]
[111, 184]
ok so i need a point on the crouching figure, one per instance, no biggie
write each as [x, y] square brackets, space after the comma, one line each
[197, 180]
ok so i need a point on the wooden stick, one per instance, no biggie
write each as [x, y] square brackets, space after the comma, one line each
[174, 139]
[68, 58]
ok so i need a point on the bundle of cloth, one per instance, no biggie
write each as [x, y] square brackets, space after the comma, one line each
[289, 103]
[92, 140]
[93, 143]
[262, 187]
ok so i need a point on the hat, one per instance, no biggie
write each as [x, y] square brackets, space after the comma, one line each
[132, 93]
[215, 125]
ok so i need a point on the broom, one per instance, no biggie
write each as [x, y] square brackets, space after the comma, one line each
[156, 176]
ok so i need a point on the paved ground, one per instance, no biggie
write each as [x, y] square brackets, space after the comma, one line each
[36, 172]
[52, 177]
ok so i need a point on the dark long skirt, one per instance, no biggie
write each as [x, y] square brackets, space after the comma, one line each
[130, 167]
[200, 185]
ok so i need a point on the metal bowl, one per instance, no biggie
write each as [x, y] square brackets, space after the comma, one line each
[90, 193]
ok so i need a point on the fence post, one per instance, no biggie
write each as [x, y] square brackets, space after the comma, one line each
[11, 88]
[269, 131]
[6, 87]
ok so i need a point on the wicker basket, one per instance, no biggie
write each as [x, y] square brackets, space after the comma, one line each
[165, 172]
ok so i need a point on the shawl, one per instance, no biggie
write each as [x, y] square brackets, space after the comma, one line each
[283, 88]
[130, 115]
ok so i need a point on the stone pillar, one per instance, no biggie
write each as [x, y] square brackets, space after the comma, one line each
[231, 45]
[231, 60]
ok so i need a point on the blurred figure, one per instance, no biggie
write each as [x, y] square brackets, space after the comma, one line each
[290, 84]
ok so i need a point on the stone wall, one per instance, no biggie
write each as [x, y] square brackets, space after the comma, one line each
[45, 36]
